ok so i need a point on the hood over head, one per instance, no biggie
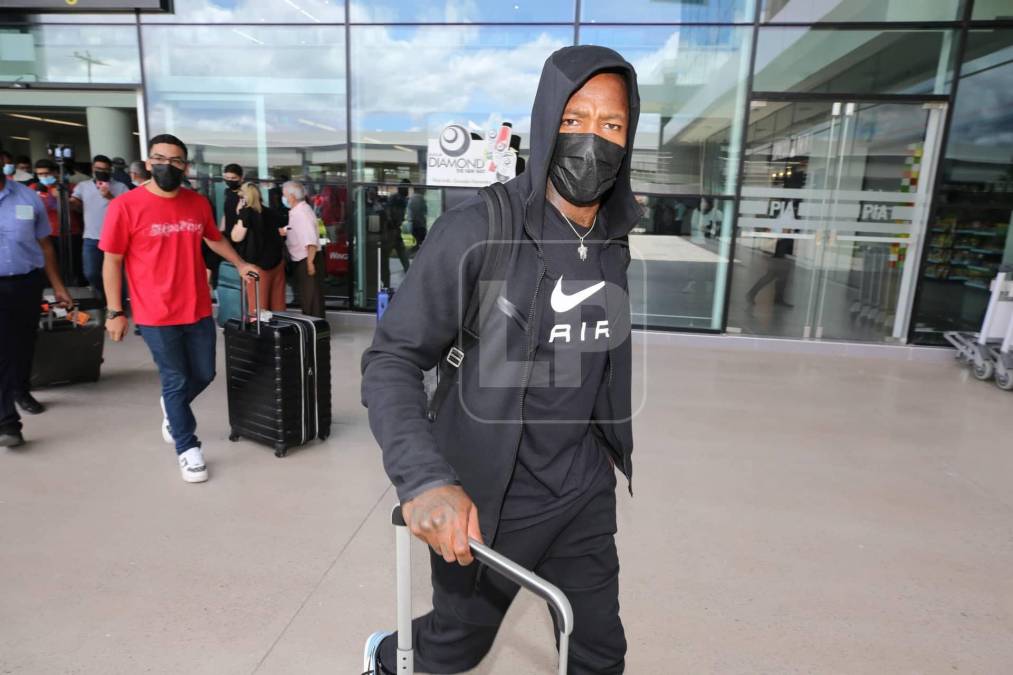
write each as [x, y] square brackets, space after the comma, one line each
[566, 71]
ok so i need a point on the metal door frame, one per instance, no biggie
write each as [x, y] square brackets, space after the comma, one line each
[937, 107]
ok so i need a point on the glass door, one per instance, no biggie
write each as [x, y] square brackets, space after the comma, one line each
[832, 218]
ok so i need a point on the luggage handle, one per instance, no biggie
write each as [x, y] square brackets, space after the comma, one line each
[497, 562]
[250, 276]
[51, 316]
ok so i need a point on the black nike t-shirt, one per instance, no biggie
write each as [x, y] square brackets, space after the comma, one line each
[559, 459]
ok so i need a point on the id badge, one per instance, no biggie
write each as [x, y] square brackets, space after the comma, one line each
[24, 212]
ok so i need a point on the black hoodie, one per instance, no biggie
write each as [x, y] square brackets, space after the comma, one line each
[474, 439]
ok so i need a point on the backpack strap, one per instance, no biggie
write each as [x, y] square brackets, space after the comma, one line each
[490, 279]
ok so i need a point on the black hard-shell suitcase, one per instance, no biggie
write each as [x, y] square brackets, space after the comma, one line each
[66, 352]
[279, 378]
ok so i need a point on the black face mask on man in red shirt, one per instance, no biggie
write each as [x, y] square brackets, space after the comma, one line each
[167, 176]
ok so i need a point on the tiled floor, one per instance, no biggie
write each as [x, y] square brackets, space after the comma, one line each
[793, 514]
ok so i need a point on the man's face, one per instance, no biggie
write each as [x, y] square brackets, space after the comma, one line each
[166, 153]
[101, 166]
[24, 168]
[600, 107]
[42, 172]
[228, 175]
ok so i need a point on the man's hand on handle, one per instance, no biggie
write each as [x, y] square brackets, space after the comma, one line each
[444, 517]
[246, 269]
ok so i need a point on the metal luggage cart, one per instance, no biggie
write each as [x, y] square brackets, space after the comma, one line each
[524, 578]
[988, 352]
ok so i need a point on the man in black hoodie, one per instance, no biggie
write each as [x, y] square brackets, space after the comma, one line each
[522, 451]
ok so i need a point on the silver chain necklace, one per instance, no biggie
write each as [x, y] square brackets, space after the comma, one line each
[581, 249]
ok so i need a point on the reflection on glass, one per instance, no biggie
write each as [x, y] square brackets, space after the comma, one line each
[692, 88]
[278, 110]
[71, 17]
[410, 83]
[830, 203]
[679, 250]
[806, 11]
[969, 231]
[65, 53]
[391, 222]
[992, 9]
[675, 11]
[251, 11]
[854, 61]
[441, 11]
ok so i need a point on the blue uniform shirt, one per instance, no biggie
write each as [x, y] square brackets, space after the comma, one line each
[23, 221]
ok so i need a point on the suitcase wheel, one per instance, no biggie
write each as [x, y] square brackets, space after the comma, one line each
[280, 450]
[324, 435]
[233, 437]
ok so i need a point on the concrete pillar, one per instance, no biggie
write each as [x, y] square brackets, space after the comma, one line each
[110, 132]
[38, 139]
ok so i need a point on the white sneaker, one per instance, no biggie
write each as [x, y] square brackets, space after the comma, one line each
[191, 465]
[371, 653]
[166, 432]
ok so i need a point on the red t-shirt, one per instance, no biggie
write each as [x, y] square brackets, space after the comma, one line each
[159, 239]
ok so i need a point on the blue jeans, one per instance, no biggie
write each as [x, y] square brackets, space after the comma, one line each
[91, 260]
[185, 356]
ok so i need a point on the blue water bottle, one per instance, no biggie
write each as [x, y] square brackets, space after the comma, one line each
[382, 300]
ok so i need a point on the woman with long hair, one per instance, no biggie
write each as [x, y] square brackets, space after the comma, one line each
[258, 240]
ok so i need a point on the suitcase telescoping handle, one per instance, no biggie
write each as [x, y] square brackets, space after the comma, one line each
[245, 313]
[498, 563]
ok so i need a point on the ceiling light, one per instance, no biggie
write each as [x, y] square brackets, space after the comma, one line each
[21, 138]
[33, 118]
[370, 139]
[403, 148]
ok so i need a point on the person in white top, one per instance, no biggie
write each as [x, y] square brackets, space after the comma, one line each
[303, 244]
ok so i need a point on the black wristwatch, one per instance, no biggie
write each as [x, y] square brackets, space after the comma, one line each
[113, 313]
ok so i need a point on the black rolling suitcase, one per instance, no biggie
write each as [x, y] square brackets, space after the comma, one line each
[279, 378]
[66, 350]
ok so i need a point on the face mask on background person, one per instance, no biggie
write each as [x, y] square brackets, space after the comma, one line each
[48, 180]
[103, 176]
[167, 177]
[8, 169]
[584, 167]
[284, 202]
[233, 184]
[21, 175]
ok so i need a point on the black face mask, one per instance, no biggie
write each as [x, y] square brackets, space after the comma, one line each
[166, 176]
[584, 167]
[233, 184]
[102, 175]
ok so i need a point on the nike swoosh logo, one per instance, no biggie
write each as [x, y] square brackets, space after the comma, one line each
[561, 302]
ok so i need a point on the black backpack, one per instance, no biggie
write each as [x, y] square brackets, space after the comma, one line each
[498, 248]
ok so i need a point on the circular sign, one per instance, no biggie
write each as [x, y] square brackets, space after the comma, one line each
[454, 140]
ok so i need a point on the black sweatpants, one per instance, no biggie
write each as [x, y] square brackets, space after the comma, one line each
[20, 302]
[575, 550]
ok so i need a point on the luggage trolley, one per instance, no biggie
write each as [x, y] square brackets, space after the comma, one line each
[988, 352]
[561, 608]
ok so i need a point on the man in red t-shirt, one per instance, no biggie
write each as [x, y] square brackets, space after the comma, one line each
[156, 232]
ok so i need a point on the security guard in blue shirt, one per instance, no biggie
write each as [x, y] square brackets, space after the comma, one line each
[27, 259]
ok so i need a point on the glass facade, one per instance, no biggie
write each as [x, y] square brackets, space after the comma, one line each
[969, 229]
[811, 169]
